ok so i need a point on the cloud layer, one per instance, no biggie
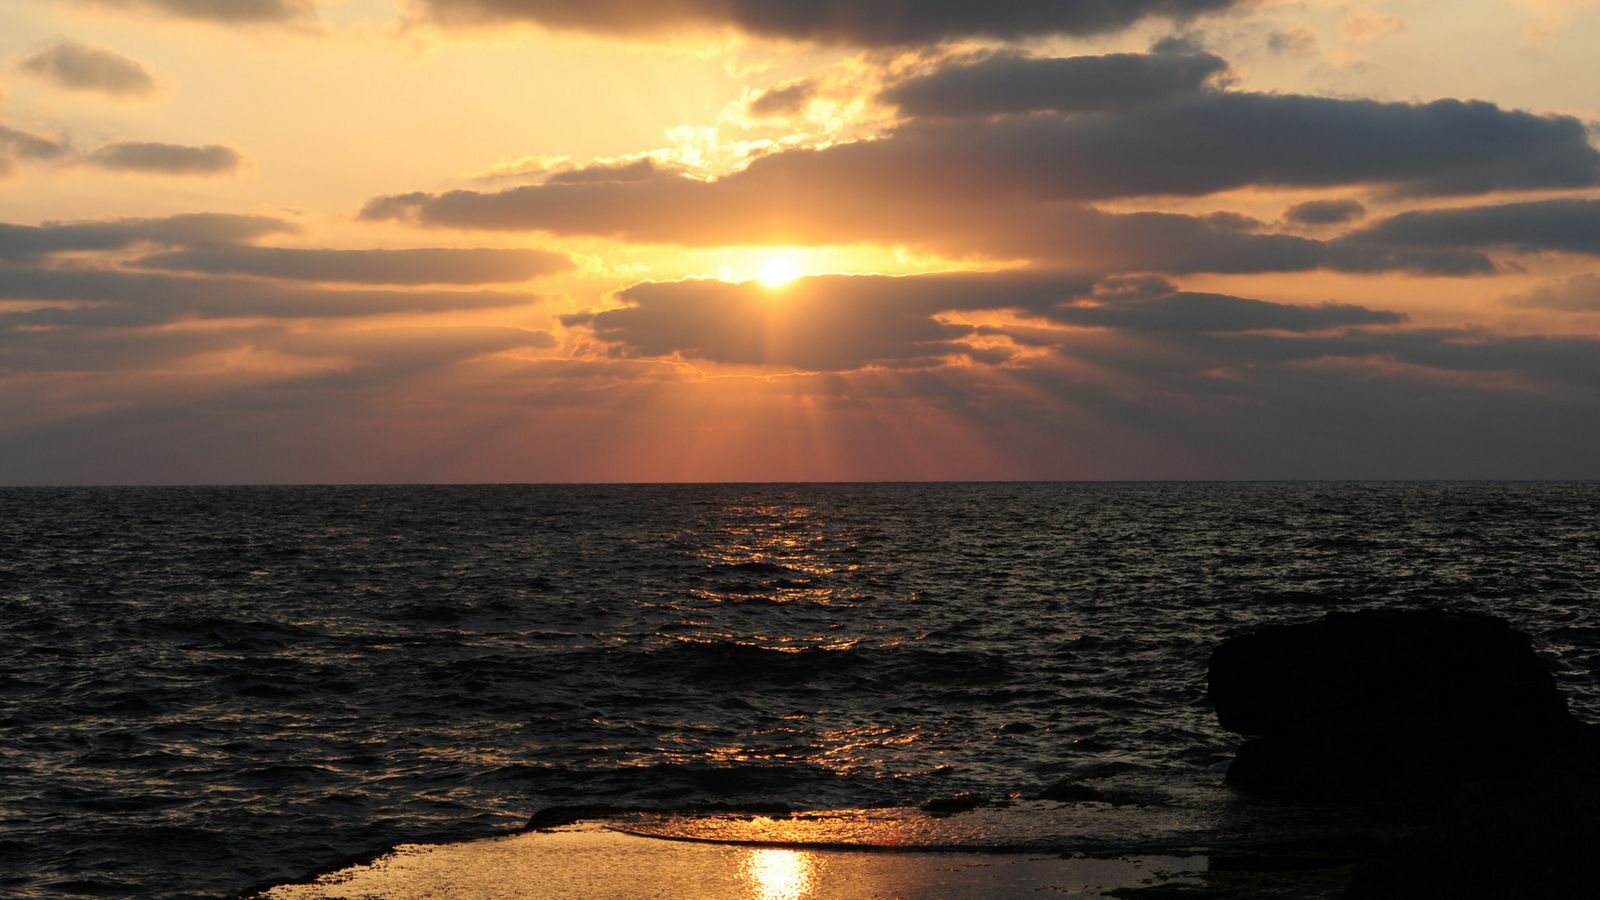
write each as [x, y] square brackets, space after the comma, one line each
[17, 145]
[1570, 225]
[230, 12]
[26, 242]
[1578, 294]
[166, 159]
[420, 266]
[1128, 264]
[873, 22]
[1210, 142]
[1000, 157]
[1314, 213]
[60, 311]
[85, 68]
[837, 323]
[1004, 83]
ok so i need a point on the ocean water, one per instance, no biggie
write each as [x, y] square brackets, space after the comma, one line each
[205, 690]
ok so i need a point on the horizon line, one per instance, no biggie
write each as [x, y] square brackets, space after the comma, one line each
[788, 483]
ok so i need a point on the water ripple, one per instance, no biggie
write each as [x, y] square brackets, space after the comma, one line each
[207, 688]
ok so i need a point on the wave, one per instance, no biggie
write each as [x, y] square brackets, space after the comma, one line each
[692, 658]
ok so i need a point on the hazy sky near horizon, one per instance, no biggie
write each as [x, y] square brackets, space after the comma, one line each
[708, 240]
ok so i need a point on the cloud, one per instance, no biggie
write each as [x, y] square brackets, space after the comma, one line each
[15, 145]
[1011, 83]
[641, 169]
[846, 322]
[1549, 17]
[166, 159]
[1566, 225]
[1216, 141]
[369, 355]
[503, 419]
[1363, 26]
[123, 156]
[115, 350]
[1177, 244]
[418, 266]
[27, 242]
[1562, 359]
[1580, 293]
[1169, 310]
[1417, 405]
[828, 21]
[1324, 212]
[825, 323]
[815, 197]
[786, 99]
[228, 12]
[1010, 185]
[128, 299]
[84, 68]
[410, 349]
[1293, 42]
[1248, 355]
[1085, 400]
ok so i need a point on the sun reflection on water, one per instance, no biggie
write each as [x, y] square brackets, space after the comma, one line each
[774, 874]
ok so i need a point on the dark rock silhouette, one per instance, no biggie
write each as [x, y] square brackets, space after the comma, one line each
[1527, 838]
[1450, 709]
[960, 803]
[1388, 705]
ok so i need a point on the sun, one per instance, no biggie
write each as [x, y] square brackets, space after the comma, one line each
[778, 272]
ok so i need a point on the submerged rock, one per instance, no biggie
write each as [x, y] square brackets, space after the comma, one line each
[960, 803]
[1380, 704]
[1070, 791]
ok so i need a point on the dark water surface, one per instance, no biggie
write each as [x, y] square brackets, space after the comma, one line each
[205, 689]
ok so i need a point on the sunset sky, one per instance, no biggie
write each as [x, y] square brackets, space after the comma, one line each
[734, 240]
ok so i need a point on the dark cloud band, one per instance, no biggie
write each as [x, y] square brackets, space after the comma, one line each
[840, 323]
[166, 159]
[1568, 225]
[230, 12]
[1012, 186]
[762, 207]
[1316, 213]
[866, 22]
[27, 242]
[437, 265]
[1009, 83]
[128, 299]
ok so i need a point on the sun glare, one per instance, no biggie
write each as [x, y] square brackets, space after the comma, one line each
[779, 874]
[779, 272]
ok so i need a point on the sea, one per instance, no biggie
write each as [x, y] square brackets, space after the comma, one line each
[208, 690]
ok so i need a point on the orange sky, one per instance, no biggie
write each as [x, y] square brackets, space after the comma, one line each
[542, 240]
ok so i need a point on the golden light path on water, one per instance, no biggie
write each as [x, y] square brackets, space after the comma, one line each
[776, 874]
[594, 862]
